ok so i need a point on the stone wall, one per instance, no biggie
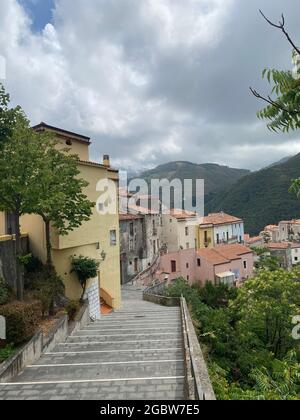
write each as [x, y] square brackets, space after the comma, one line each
[8, 258]
[93, 296]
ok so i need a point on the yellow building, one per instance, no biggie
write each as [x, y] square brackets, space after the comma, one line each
[218, 229]
[206, 236]
[98, 238]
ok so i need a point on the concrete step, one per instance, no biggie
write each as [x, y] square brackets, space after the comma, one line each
[143, 389]
[106, 337]
[135, 323]
[110, 357]
[124, 345]
[115, 371]
[126, 331]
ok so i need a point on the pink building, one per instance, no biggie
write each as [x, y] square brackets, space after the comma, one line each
[229, 264]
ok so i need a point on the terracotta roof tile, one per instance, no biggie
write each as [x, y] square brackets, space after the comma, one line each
[224, 254]
[220, 219]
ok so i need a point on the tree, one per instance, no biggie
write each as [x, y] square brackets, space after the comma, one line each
[21, 159]
[62, 203]
[8, 116]
[265, 307]
[283, 112]
[85, 268]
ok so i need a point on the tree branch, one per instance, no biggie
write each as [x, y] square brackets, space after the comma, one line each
[281, 26]
[270, 101]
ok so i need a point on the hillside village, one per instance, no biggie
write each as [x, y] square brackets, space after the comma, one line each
[127, 272]
[142, 249]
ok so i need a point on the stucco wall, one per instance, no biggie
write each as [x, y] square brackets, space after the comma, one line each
[2, 223]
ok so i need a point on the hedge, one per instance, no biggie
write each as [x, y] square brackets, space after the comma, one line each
[22, 320]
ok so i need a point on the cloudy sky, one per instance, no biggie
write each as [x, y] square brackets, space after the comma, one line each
[150, 81]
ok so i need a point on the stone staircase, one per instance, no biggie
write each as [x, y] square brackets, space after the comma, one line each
[133, 354]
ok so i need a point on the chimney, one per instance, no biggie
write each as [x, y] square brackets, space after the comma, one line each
[106, 161]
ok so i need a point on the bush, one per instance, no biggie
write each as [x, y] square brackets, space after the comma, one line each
[22, 320]
[31, 263]
[5, 292]
[85, 268]
[72, 308]
[47, 287]
[6, 352]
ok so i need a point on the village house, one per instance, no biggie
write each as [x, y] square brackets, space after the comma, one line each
[179, 230]
[254, 242]
[289, 231]
[133, 245]
[229, 264]
[270, 234]
[98, 238]
[288, 253]
[220, 229]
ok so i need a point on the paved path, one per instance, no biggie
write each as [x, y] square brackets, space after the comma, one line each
[133, 354]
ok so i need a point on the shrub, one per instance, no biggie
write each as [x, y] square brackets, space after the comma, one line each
[72, 308]
[31, 263]
[6, 352]
[85, 268]
[22, 319]
[5, 292]
[47, 287]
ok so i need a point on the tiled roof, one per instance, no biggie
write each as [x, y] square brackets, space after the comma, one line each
[217, 219]
[252, 240]
[128, 217]
[283, 245]
[43, 126]
[272, 227]
[182, 214]
[224, 254]
[97, 165]
[290, 222]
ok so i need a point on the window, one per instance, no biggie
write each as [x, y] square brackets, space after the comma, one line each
[245, 265]
[187, 245]
[205, 236]
[69, 143]
[131, 229]
[186, 231]
[199, 262]
[173, 266]
[113, 238]
[136, 262]
[187, 265]
[188, 278]
[227, 236]
[218, 239]
[100, 207]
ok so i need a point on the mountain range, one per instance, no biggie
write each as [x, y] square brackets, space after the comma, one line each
[260, 198]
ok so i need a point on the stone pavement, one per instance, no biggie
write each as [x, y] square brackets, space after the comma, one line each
[132, 354]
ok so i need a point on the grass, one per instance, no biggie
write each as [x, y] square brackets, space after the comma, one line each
[6, 352]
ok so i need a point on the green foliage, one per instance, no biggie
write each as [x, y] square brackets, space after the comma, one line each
[283, 112]
[268, 263]
[282, 381]
[32, 264]
[46, 286]
[62, 200]
[6, 352]
[5, 292]
[8, 116]
[72, 308]
[22, 320]
[246, 334]
[85, 268]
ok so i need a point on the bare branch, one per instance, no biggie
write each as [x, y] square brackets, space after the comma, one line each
[281, 26]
